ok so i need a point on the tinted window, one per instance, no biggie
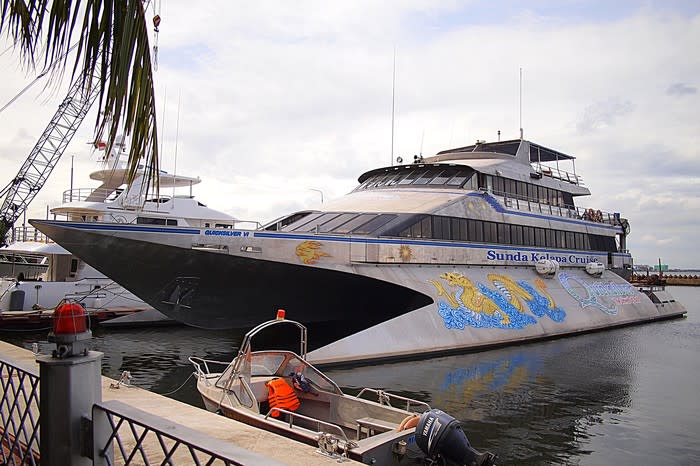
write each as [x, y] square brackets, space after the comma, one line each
[459, 178]
[311, 226]
[339, 220]
[150, 221]
[516, 232]
[354, 223]
[412, 176]
[374, 224]
[304, 221]
[426, 177]
[498, 185]
[490, 234]
[442, 177]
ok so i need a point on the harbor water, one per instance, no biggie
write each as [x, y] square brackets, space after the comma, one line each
[625, 397]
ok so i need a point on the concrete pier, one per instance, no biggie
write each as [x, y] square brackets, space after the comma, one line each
[264, 443]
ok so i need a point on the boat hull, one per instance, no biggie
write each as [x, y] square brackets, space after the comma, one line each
[218, 291]
[369, 310]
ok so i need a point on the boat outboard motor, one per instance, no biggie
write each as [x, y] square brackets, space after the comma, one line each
[440, 435]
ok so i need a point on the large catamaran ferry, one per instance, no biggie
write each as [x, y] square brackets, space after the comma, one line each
[474, 247]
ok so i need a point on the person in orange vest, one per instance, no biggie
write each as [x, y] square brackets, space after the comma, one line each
[281, 395]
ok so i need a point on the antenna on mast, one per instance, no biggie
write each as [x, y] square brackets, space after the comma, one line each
[177, 134]
[521, 102]
[393, 95]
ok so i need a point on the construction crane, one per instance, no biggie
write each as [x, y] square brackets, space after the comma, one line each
[41, 161]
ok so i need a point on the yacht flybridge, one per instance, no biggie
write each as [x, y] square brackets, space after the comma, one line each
[476, 246]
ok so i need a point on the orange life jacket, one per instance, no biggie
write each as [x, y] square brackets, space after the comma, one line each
[281, 395]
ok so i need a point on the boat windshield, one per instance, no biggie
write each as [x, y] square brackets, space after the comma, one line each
[279, 364]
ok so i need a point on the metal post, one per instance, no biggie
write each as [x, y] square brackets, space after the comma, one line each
[68, 389]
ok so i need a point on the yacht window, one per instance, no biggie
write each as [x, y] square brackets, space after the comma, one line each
[579, 240]
[490, 235]
[354, 223]
[442, 177]
[374, 224]
[459, 178]
[539, 237]
[532, 192]
[459, 228]
[570, 243]
[303, 221]
[472, 183]
[316, 223]
[412, 176]
[223, 225]
[336, 222]
[150, 221]
[586, 242]
[384, 180]
[516, 233]
[73, 266]
[499, 185]
[510, 187]
[425, 177]
[397, 178]
[503, 233]
[561, 239]
[476, 230]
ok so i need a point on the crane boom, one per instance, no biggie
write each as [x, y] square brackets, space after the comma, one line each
[41, 161]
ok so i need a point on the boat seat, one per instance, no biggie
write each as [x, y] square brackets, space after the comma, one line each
[373, 426]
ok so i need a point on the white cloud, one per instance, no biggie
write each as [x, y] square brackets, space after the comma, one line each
[279, 98]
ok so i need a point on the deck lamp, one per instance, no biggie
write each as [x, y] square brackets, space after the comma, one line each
[70, 331]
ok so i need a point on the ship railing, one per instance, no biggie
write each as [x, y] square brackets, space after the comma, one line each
[90, 194]
[386, 397]
[557, 173]
[29, 233]
[534, 205]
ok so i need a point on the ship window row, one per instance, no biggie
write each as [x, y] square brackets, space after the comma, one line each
[480, 231]
[465, 179]
[449, 177]
[155, 221]
[341, 223]
[528, 191]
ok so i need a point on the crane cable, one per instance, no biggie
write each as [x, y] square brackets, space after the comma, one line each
[36, 80]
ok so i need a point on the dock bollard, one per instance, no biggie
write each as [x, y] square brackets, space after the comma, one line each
[70, 384]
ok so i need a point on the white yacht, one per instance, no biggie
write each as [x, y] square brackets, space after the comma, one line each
[474, 247]
[67, 276]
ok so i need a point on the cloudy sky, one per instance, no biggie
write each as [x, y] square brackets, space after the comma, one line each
[279, 99]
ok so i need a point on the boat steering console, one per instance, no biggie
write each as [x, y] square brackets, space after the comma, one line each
[441, 438]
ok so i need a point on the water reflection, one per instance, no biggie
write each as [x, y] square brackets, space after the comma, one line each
[533, 404]
[626, 396]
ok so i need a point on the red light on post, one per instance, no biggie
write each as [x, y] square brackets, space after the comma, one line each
[70, 330]
[280, 314]
[69, 319]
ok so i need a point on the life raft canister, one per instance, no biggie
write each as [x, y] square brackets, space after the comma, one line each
[281, 395]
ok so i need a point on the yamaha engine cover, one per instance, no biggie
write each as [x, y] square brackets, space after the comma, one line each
[439, 435]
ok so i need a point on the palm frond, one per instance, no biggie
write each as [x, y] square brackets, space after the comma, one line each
[113, 41]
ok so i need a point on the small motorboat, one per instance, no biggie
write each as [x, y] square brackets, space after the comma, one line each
[281, 392]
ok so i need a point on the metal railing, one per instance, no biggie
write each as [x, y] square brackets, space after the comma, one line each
[126, 435]
[534, 205]
[90, 194]
[386, 397]
[19, 414]
[29, 233]
[118, 434]
[554, 172]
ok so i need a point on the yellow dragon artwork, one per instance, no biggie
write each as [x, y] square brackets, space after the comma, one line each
[504, 308]
[309, 252]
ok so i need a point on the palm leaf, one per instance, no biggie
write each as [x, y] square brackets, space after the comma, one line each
[112, 41]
